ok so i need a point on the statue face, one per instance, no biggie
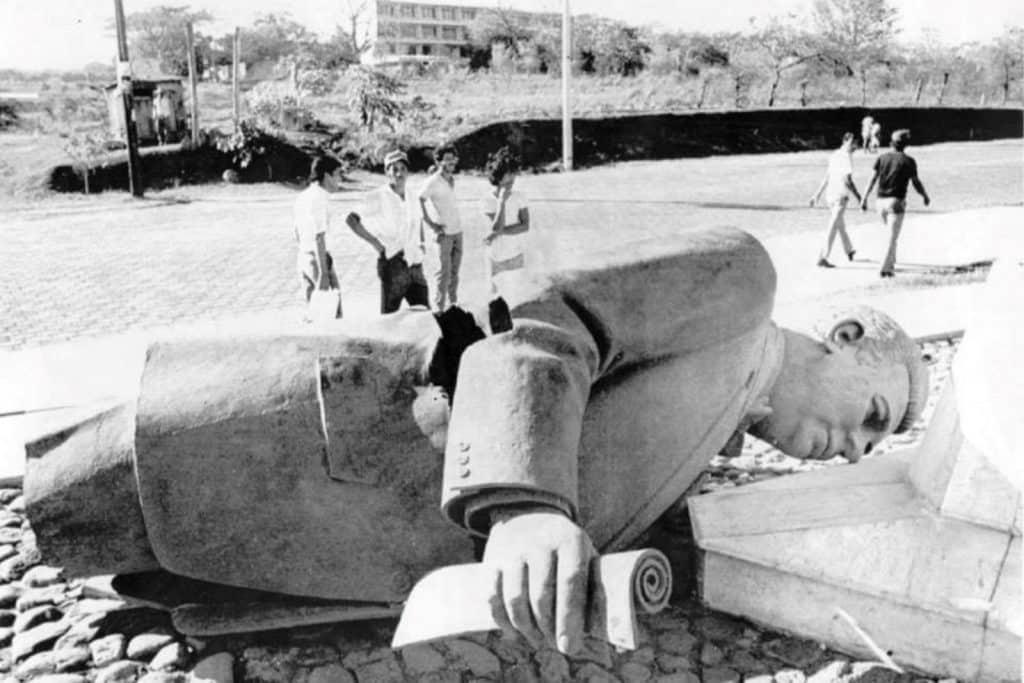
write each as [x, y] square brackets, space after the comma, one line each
[827, 402]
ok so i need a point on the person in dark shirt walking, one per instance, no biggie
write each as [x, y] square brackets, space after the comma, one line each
[893, 172]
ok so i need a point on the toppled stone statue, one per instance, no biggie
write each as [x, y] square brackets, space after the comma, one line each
[313, 465]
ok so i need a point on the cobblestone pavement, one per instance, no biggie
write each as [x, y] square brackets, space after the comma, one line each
[54, 629]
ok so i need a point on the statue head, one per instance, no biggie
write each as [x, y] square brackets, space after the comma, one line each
[843, 392]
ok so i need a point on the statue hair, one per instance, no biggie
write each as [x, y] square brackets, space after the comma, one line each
[878, 338]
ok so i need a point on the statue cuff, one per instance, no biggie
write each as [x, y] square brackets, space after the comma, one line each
[479, 510]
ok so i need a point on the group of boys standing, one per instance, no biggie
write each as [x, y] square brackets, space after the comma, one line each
[408, 228]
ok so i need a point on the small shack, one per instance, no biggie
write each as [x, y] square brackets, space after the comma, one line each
[159, 109]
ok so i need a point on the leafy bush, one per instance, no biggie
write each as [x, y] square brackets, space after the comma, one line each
[86, 148]
[317, 82]
[275, 104]
[248, 143]
[8, 115]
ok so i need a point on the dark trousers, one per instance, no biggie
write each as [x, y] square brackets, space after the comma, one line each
[398, 281]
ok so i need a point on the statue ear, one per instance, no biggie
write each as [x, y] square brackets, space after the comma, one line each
[843, 333]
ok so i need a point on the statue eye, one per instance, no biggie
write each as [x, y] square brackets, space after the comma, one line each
[877, 417]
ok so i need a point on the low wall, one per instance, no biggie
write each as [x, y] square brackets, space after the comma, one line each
[670, 136]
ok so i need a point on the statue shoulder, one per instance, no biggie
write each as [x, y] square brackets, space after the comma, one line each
[667, 294]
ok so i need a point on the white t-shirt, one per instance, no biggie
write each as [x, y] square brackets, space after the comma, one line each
[394, 221]
[840, 165]
[311, 216]
[442, 206]
[506, 246]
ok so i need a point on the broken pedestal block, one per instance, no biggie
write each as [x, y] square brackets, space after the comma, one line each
[922, 548]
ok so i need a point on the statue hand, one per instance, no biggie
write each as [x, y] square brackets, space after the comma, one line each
[543, 562]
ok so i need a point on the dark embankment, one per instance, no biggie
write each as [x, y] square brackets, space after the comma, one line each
[671, 136]
[174, 165]
[596, 141]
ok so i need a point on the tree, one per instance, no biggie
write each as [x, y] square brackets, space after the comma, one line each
[373, 94]
[932, 60]
[1007, 57]
[272, 37]
[352, 36]
[501, 26]
[607, 46]
[81, 125]
[781, 47]
[159, 34]
[857, 35]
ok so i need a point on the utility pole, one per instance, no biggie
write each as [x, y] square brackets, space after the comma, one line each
[566, 73]
[193, 76]
[235, 49]
[124, 84]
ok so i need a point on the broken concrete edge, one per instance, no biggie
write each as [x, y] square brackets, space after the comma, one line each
[952, 335]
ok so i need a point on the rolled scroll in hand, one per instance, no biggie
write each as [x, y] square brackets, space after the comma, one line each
[454, 600]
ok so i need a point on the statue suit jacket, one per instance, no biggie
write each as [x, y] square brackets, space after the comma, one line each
[619, 382]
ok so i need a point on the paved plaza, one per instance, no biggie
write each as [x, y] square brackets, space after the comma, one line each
[182, 257]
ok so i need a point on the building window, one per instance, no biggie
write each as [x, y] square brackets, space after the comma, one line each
[390, 10]
[410, 50]
[408, 10]
[448, 13]
[429, 31]
[428, 12]
[449, 32]
[426, 49]
[407, 30]
[468, 14]
[392, 49]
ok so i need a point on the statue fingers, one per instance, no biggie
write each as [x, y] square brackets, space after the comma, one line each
[497, 605]
[571, 594]
[542, 570]
[515, 588]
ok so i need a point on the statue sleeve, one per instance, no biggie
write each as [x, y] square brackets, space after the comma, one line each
[516, 418]
[518, 409]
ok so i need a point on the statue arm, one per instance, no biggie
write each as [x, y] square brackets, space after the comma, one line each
[517, 417]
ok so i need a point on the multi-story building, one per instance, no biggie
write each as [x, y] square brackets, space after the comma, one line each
[420, 31]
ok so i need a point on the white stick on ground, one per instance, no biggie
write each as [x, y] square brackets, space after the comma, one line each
[882, 656]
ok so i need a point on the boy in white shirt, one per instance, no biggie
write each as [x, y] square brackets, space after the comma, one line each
[440, 214]
[839, 183]
[312, 218]
[508, 216]
[395, 233]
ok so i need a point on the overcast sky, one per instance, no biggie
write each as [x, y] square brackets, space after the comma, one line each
[42, 34]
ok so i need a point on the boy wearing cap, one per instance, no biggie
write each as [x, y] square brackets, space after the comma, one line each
[893, 172]
[394, 233]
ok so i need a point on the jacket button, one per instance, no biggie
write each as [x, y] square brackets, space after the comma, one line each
[463, 445]
[463, 460]
[463, 472]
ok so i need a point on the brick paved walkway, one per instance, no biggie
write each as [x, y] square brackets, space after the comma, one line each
[68, 274]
